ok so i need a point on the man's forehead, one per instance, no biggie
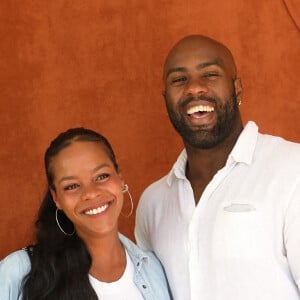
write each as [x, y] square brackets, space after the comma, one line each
[203, 49]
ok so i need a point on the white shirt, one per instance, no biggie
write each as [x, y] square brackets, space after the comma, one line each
[122, 289]
[242, 240]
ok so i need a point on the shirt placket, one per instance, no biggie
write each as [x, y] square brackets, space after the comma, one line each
[195, 270]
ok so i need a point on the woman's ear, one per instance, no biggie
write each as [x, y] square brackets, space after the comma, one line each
[54, 197]
[121, 177]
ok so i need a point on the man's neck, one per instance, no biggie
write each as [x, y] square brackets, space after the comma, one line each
[203, 164]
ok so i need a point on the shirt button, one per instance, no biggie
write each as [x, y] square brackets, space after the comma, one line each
[138, 264]
[144, 286]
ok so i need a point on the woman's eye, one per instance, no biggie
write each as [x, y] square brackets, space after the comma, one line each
[102, 176]
[71, 187]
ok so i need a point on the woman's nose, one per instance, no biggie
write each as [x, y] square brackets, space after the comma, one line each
[90, 191]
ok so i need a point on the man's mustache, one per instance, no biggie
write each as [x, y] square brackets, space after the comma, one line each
[183, 102]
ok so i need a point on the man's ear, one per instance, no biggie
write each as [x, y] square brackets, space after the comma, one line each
[54, 197]
[238, 89]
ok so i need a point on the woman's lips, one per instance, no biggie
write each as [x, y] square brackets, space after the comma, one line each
[97, 210]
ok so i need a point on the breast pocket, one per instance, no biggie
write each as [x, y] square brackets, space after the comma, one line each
[241, 232]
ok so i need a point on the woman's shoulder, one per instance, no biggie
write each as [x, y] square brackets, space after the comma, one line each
[137, 252]
[150, 270]
[145, 260]
[14, 266]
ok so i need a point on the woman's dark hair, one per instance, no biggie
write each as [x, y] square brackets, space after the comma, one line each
[59, 263]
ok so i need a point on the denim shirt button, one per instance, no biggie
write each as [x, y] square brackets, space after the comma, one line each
[144, 286]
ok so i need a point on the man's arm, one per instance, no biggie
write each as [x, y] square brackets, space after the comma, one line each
[292, 233]
[141, 229]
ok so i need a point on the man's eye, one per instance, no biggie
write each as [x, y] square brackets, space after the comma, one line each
[71, 187]
[178, 80]
[210, 75]
[102, 177]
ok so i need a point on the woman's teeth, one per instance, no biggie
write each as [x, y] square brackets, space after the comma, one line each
[96, 210]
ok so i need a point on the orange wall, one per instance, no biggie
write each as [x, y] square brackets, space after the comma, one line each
[98, 64]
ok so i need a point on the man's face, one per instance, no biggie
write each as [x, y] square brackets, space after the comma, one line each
[200, 94]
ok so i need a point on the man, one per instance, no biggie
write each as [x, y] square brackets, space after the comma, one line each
[225, 222]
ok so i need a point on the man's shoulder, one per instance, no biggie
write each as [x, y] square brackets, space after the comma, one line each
[280, 146]
[279, 155]
[153, 195]
[156, 188]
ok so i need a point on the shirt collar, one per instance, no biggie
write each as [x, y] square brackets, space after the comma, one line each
[136, 254]
[242, 151]
[178, 169]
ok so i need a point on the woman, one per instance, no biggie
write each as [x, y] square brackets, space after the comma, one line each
[79, 253]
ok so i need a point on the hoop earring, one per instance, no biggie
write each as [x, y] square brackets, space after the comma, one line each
[57, 222]
[125, 190]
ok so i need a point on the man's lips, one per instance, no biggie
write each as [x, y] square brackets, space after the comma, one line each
[200, 109]
[97, 210]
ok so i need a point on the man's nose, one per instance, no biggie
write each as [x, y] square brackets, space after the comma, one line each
[196, 87]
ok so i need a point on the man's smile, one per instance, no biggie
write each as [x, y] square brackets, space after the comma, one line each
[199, 109]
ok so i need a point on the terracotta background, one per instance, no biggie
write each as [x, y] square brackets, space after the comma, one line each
[98, 64]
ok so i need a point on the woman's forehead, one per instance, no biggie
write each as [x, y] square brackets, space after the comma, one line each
[80, 152]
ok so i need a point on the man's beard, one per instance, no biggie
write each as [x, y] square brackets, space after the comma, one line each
[202, 137]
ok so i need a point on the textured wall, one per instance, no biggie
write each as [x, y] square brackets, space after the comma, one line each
[98, 64]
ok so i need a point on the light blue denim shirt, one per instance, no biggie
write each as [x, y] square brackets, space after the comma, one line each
[149, 275]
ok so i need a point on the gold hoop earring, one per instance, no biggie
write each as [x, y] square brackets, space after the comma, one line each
[125, 190]
[59, 226]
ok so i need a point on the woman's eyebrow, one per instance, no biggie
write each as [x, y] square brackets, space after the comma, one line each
[65, 178]
[100, 167]
[71, 177]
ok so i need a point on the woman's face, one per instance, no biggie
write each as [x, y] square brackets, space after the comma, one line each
[87, 188]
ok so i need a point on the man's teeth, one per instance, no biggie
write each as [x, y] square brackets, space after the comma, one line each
[96, 210]
[200, 108]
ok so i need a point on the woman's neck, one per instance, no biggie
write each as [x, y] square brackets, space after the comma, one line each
[108, 258]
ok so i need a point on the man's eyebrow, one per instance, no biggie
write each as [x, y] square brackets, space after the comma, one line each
[209, 63]
[199, 66]
[176, 69]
